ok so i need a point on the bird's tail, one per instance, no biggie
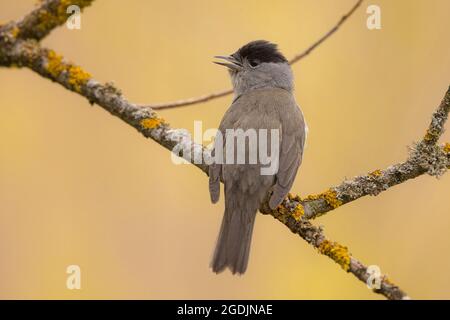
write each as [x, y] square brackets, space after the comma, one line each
[233, 244]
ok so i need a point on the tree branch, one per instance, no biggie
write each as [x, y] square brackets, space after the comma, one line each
[425, 157]
[189, 101]
[289, 213]
[42, 20]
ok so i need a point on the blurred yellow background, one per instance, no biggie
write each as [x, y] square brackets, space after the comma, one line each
[78, 186]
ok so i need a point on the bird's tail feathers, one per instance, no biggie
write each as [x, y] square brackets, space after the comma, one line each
[233, 244]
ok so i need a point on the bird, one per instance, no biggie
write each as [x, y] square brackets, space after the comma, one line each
[263, 87]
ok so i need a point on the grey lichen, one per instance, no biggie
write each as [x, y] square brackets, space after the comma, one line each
[431, 158]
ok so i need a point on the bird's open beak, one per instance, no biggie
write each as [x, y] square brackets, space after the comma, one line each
[232, 64]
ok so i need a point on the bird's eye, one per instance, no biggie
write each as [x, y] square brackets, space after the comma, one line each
[253, 63]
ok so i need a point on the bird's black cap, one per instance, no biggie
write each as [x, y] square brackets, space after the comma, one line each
[261, 50]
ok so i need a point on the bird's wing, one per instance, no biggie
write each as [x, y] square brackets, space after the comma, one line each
[265, 109]
[236, 117]
[215, 169]
[215, 172]
[293, 137]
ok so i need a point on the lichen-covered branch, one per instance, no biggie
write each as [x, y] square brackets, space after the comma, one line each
[49, 64]
[296, 58]
[26, 51]
[290, 214]
[424, 157]
[42, 20]
[437, 124]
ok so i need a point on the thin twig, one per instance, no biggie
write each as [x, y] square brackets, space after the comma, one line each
[190, 101]
[326, 35]
[296, 58]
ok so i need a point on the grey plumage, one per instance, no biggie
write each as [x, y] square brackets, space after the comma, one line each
[263, 100]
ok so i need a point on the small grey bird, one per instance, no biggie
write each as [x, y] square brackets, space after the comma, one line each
[263, 99]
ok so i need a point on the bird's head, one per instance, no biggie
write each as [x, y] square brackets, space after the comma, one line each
[258, 64]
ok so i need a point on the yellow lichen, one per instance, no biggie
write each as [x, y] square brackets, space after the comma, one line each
[298, 213]
[54, 64]
[46, 20]
[375, 173]
[151, 123]
[430, 135]
[447, 148]
[282, 212]
[76, 77]
[15, 31]
[52, 17]
[312, 197]
[330, 196]
[387, 281]
[292, 197]
[337, 252]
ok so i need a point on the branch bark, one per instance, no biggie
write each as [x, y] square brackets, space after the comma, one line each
[42, 20]
[425, 156]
